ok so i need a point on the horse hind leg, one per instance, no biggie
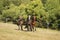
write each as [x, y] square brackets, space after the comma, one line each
[34, 28]
[21, 27]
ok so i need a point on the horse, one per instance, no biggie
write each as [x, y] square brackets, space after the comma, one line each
[33, 22]
[20, 23]
[28, 23]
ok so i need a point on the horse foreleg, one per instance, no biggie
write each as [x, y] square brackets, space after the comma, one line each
[30, 28]
[27, 27]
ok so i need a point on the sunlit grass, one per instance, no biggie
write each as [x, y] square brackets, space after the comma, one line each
[9, 32]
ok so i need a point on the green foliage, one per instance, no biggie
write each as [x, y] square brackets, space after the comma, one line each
[12, 12]
[48, 9]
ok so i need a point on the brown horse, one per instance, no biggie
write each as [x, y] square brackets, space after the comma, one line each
[33, 22]
[20, 23]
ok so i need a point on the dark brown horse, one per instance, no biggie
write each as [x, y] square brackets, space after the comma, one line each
[28, 23]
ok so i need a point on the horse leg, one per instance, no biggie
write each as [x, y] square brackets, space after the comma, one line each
[18, 27]
[34, 28]
[31, 28]
[21, 27]
[27, 27]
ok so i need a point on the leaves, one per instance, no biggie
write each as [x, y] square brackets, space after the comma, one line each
[48, 9]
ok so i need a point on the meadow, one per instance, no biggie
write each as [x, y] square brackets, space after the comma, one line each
[8, 31]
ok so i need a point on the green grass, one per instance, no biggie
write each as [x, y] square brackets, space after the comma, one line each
[8, 32]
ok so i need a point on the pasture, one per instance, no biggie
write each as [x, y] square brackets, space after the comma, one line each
[9, 31]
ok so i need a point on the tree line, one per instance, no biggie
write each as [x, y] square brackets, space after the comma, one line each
[48, 9]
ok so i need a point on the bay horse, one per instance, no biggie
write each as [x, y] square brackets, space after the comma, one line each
[20, 23]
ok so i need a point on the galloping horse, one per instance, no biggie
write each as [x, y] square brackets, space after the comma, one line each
[20, 23]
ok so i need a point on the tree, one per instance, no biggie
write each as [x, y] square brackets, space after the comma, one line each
[53, 7]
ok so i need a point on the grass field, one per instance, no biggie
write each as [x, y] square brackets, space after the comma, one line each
[9, 31]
